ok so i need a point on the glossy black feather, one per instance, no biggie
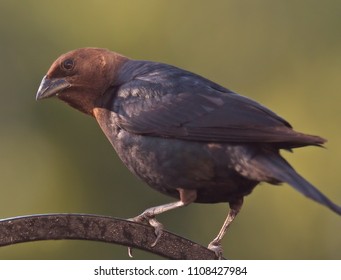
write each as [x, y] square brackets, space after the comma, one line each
[161, 100]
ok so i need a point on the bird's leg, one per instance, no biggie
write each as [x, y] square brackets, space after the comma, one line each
[215, 244]
[186, 197]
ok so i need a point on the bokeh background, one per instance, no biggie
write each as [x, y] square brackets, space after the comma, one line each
[284, 54]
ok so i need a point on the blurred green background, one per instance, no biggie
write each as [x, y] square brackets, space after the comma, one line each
[284, 54]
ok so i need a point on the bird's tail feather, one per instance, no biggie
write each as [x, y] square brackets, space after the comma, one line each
[280, 170]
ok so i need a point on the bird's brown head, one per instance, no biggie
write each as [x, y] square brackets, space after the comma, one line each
[81, 76]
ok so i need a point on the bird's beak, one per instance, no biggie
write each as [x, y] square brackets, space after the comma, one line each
[50, 87]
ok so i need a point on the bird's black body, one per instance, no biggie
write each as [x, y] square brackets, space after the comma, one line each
[173, 128]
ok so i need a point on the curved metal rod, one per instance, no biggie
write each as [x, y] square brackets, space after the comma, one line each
[99, 228]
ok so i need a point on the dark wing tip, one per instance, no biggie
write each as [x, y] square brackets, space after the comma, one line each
[315, 140]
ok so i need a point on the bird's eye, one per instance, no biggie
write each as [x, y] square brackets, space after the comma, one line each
[68, 64]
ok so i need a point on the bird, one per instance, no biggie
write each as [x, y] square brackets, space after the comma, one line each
[180, 133]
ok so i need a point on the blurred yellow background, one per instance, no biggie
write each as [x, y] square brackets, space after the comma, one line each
[284, 54]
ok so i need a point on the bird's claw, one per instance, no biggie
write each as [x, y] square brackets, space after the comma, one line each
[158, 230]
[145, 218]
[130, 252]
[141, 219]
[216, 247]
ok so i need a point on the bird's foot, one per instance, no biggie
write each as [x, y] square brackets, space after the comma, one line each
[147, 218]
[158, 230]
[216, 247]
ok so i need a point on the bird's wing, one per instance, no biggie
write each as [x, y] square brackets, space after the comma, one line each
[190, 107]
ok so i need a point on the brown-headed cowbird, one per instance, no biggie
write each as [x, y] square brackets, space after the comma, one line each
[182, 134]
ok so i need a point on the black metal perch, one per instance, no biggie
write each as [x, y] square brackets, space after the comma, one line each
[99, 228]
